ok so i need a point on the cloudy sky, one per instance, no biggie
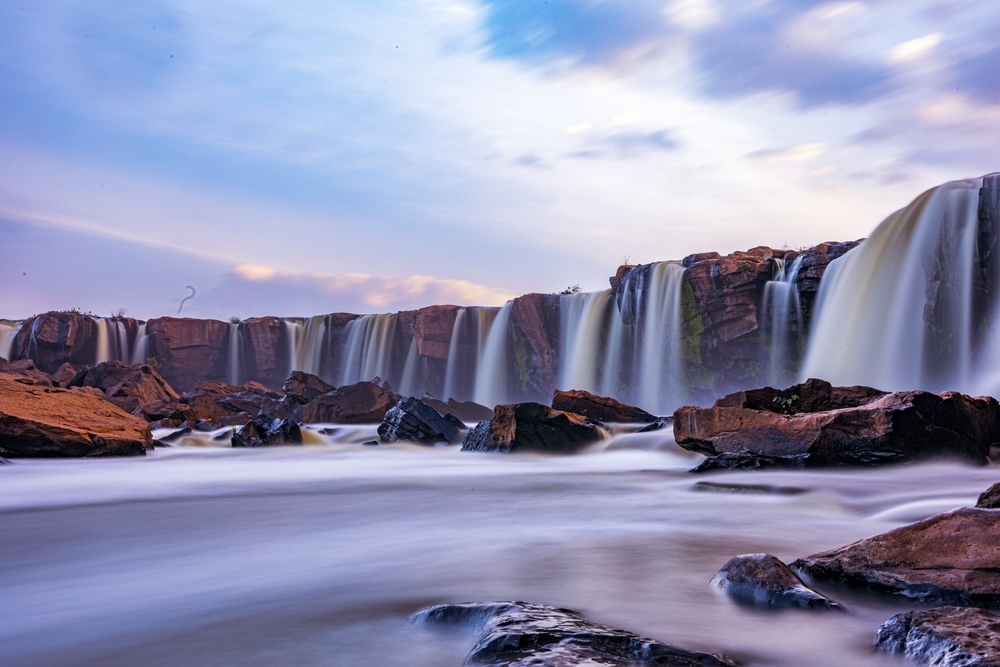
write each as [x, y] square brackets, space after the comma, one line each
[308, 157]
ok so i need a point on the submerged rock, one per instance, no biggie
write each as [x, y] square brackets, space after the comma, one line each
[764, 581]
[948, 558]
[745, 460]
[842, 425]
[38, 421]
[518, 634]
[943, 637]
[413, 420]
[262, 431]
[599, 408]
[532, 427]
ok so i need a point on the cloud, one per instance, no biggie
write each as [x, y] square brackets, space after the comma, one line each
[629, 144]
[791, 154]
[979, 76]
[914, 48]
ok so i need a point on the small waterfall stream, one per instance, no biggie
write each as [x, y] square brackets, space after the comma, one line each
[782, 310]
[139, 351]
[234, 360]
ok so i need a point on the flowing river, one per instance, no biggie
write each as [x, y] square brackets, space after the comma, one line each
[316, 555]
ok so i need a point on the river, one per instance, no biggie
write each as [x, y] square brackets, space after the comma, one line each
[316, 555]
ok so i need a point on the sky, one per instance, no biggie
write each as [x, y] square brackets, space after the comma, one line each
[310, 157]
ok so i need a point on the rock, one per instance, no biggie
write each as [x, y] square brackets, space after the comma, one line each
[431, 329]
[943, 637]
[716, 487]
[26, 370]
[518, 634]
[53, 339]
[842, 425]
[262, 431]
[61, 376]
[764, 581]
[38, 421]
[535, 321]
[660, 423]
[126, 386]
[370, 443]
[532, 427]
[949, 558]
[189, 350]
[413, 420]
[467, 411]
[990, 498]
[361, 403]
[158, 410]
[302, 387]
[599, 408]
[745, 460]
[91, 391]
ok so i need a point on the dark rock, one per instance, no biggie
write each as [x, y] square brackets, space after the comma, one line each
[301, 387]
[370, 443]
[189, 350]
[943, 637]
[990, 498]
[262, 431]
[164, 423]
[467, 411]
[716, 487]
[62, 376]
[26, 370]
[413, 420]
[843, 425]
[532, 427]
[159, 410]
[53, 339]
[948, 558]
[126, 386]
[518, 634]
[176, 435]
[599, 408]
[361, 403]
[534, 323]
[745, 460]
[764, 581]
[660, 423]
[38, 421]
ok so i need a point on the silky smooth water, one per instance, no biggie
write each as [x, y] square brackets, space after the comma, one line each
[316, 555]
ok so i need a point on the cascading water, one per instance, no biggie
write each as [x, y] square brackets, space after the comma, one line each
[369, 349]
[112, 341]
[452, 370]
[235, 353]
[584, 319]
[306, 343]
[657, 367]
[7, 334]
[139, 351]
[782, 309]
[491, 367]
[910, 308]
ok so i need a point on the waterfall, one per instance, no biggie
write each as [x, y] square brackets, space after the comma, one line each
[306, 343]
[584, 319]
[491, 366]
[8, 332]
[782, 310]
[897, 312]
[141, 344]
[452, 369]
[657, 370]
[112, 341]
[408, 385]
[235, 351]
[369, 349]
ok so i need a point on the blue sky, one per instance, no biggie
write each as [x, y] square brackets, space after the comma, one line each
[369, 156]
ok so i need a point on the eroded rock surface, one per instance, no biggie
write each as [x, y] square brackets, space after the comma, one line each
[943, 637]
[262, 431]
[518, 634]
[843, 425]
[125, 385]
[37, 421]
[532, 427]
[990, 498]
[764, 581]
[412, 420]
[599, 408]
[949, 558]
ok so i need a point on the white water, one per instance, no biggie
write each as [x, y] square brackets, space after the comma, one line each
[874, 324]
[368, 349]
[112, 341]
[7, 334]
[491, 367]
[306, 343]
[316, 555]
[660, 377]
[783, 309]
[451, 379]
[235, 354]
[584, 322]
[139, 354]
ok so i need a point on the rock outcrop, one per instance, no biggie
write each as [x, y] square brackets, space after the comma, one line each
[535, 321]
[842, 425]
[599, 408]
[764, 581]
[413, 420]
[943, 637]
[38, 421]
[360, 403]
[263, 431]
[949, 558]
[518, 634]
[990, 498]
[468, 411]
[523, 427]
[53, 339]
[26, 370]
[189, 350]
[126, 386]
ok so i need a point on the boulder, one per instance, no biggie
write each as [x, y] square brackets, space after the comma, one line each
[843, 425]
[764, 581]
[943, 637]
[26, 370]
[159, 410]
[126, 386]
[532, 427]
[518, 634]
[990, 498]
[599, 408]
[413, 420]
[301, 387]
[263, 431]
[468, 411]
[52, 339]
[361, 403]
[949, 558]
[38, 421]
[62, 376]
[744, 460]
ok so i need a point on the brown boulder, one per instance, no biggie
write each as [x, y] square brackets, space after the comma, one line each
[950, 558]
[25, 369]
[301, 387]
[990, 498]
[532, 427]
[361, 403]
[842, 425]
[50, 422]
[599, 408]
[764, 581]
[62, 376]
[943, 637]
[126, 386]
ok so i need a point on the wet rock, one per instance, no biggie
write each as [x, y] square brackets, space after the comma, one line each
[764, 581]
[370, 443]
[431, 329]
[990, 498]
[843, 425]
[659, 424]
[361, 403]
[532, 427]
[53, 339]
[599, 408]
[26, 370]
[38, 421]
[518, 634]
[949, 558]
[159, 410]
[413, 420]
[535, 320]
[943, 637]
[745, 460]
[468, 412]
[250, 399]
[176, 435]
[302, 387]
[716, 487]
[262, 431]
[128, 387]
